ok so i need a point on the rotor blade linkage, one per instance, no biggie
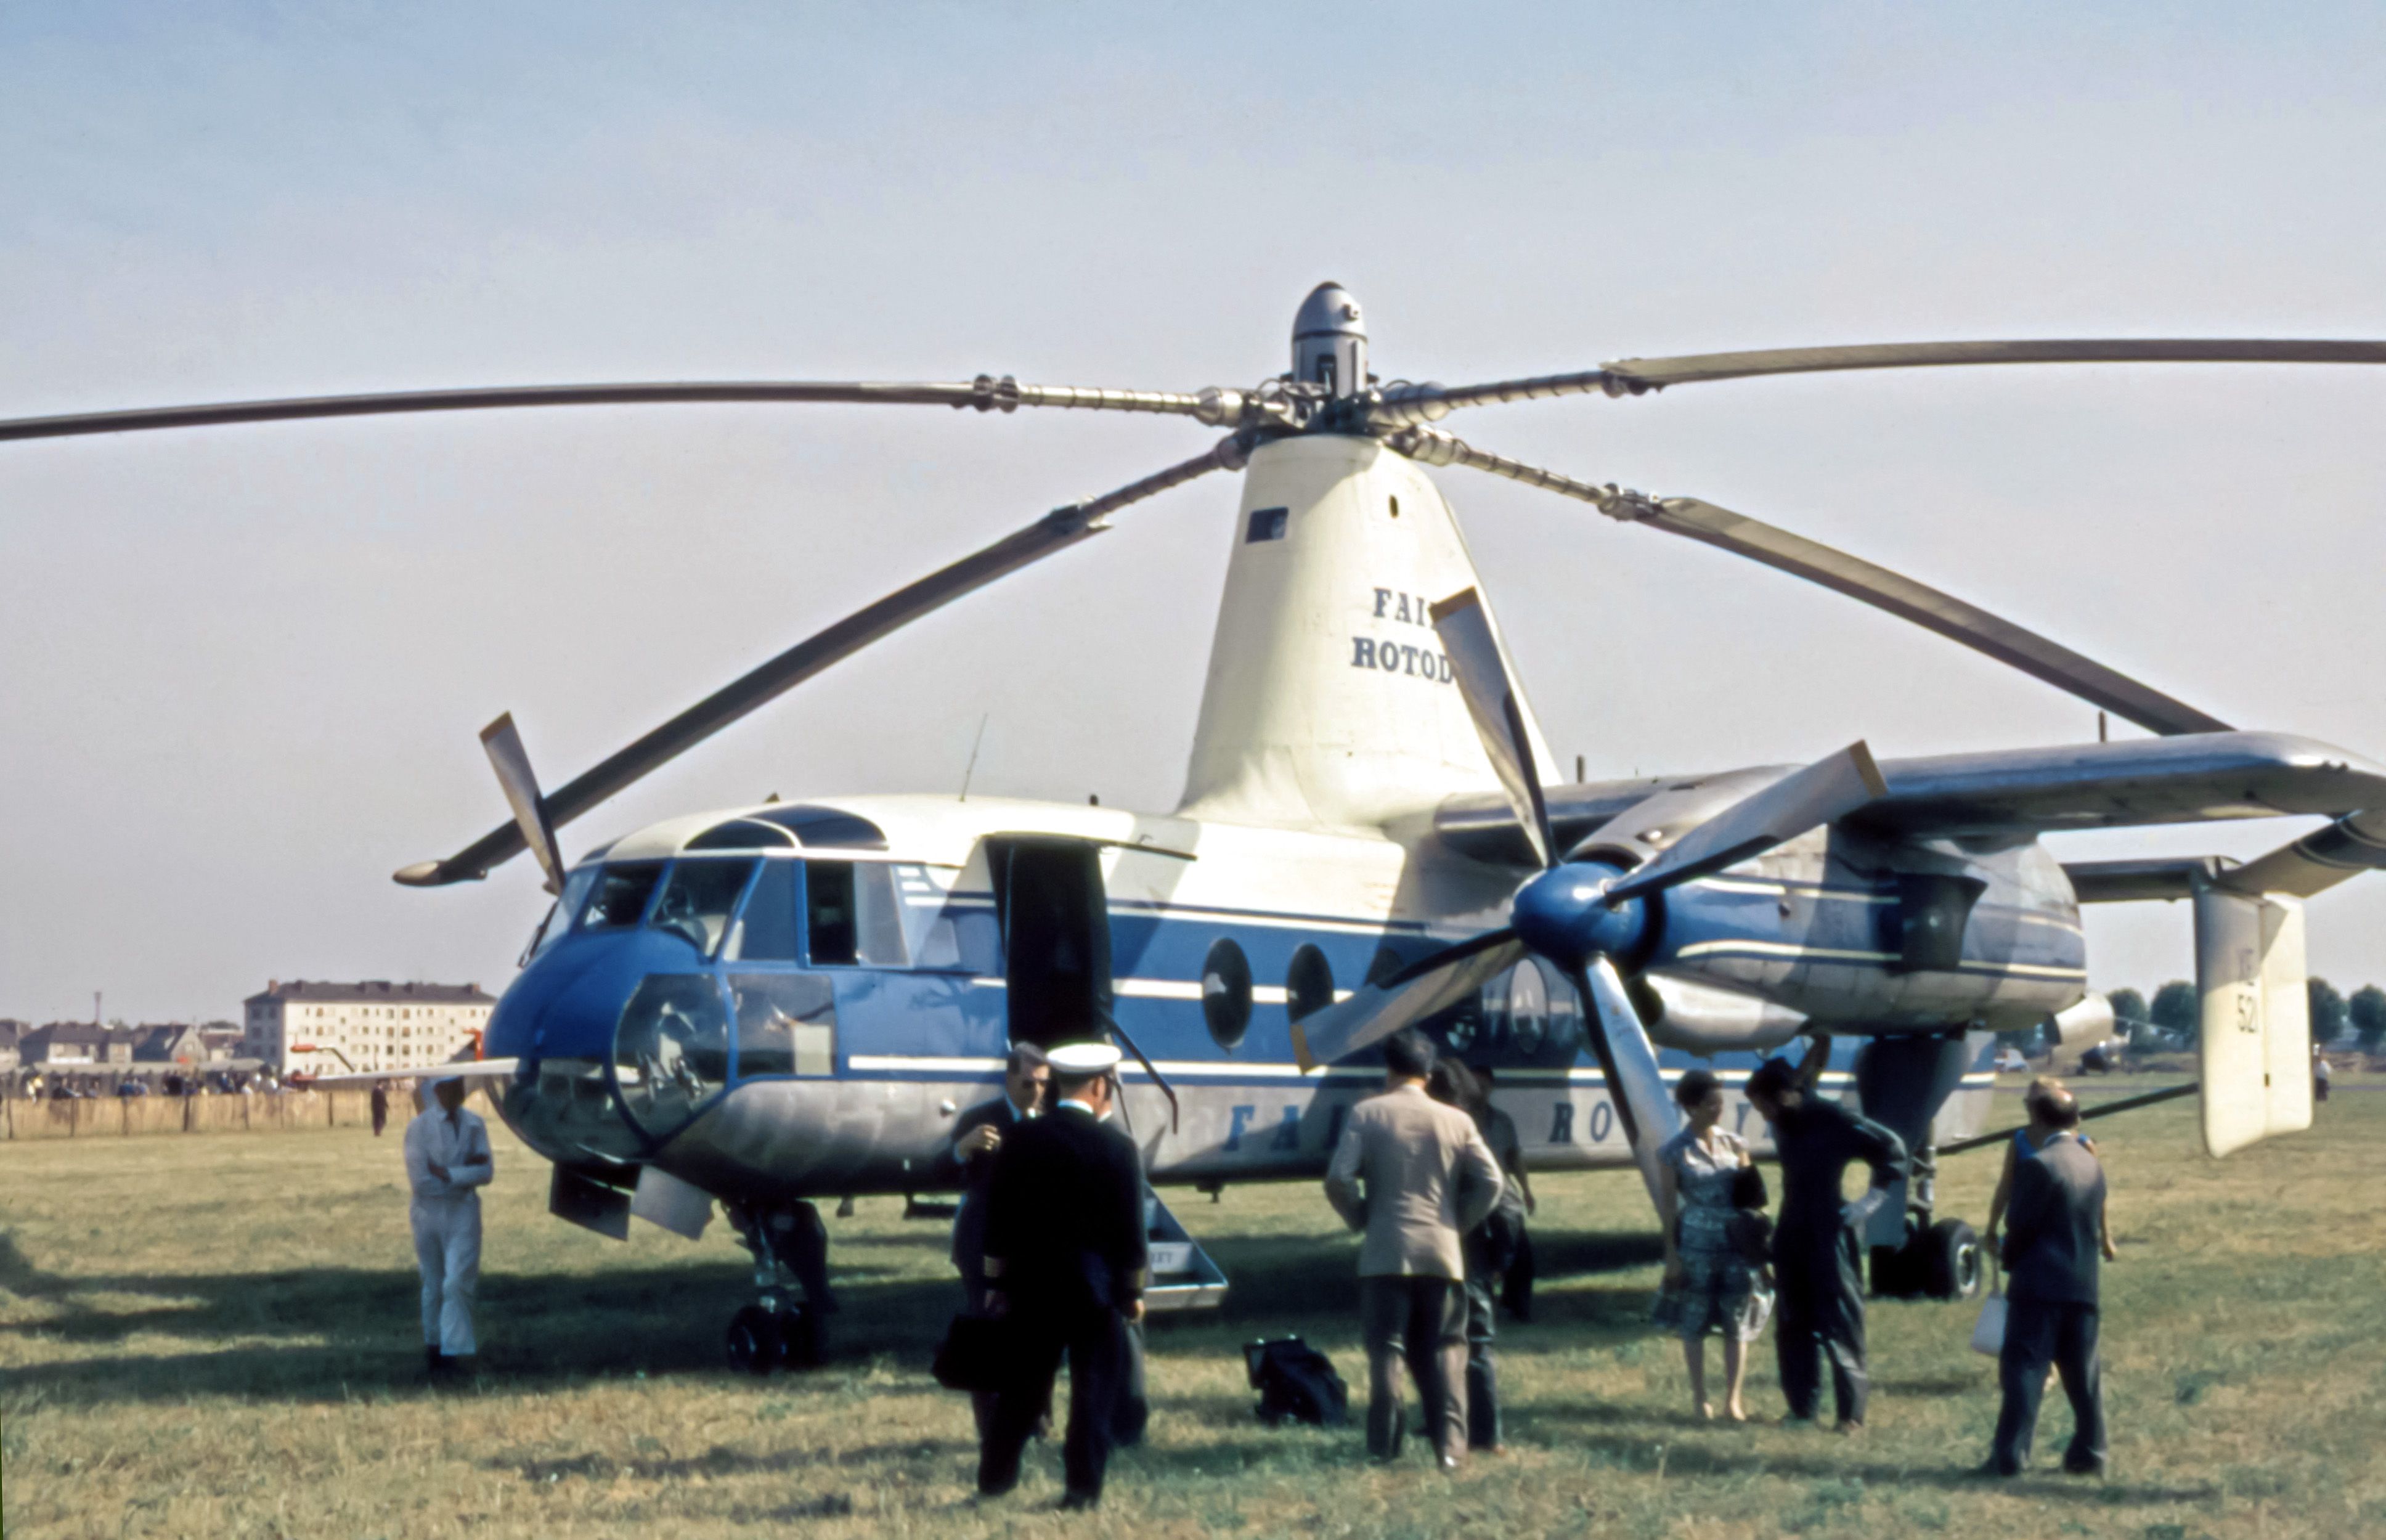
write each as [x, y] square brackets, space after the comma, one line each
[985, 393]
[2013, 645]
[511, 762]
[1402, 404]
[1495, 701]
[1628, 1062]
[1056, 530]
[1375, 1011]
[1824, 792]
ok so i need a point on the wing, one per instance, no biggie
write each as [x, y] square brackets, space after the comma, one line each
[2192, 778]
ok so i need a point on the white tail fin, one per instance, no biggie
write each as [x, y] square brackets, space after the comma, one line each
[2255, 1043]
[1330, 704]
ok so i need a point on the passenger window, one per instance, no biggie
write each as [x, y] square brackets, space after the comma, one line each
[1308, 983]
[787, 1024]
[852, 917]
[766, 932]
[698, 899]
[622, 895]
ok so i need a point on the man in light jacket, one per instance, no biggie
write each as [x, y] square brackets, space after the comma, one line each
[447, 1163]
[1415, 1176]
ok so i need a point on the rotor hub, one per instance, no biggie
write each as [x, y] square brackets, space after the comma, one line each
[1329, 342]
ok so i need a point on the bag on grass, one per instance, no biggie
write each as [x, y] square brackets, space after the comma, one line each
[1296, 1383]
[976, 1355]
[1988, 1332]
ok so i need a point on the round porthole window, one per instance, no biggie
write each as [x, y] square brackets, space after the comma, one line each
[1226, 991]
[1528, 1009]
[1308, 983]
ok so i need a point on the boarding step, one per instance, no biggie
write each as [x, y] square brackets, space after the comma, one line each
[1183, 1276]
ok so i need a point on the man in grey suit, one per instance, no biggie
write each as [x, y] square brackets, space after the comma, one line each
[1415, 1176]
[2054, 1235]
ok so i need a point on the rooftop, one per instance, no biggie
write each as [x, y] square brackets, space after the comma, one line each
[373, 992]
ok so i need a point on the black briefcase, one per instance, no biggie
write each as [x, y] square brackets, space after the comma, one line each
[978, 1354]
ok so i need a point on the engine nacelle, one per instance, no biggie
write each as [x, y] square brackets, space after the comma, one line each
[2088, 1022]
[1701, 1018]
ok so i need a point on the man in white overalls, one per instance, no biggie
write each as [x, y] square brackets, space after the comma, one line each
[447, 1161]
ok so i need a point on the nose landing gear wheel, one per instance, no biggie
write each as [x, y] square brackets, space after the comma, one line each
[755, 1345]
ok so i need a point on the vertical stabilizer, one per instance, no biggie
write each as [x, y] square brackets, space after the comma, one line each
[1330, 704]
[2255, 1033]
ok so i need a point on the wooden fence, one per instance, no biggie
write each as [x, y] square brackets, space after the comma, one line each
[251, 1112]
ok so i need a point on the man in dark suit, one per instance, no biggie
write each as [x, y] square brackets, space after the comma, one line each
[2053, 1252]
[1815, 1257]
[1065, 1263]
[967, 1162]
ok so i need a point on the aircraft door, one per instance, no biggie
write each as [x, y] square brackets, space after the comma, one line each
[1056, 938]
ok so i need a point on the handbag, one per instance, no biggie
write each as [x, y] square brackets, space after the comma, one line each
[1988, 1332]
[978, 1354]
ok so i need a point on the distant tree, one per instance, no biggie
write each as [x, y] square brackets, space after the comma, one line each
[2129, 1005]
[2367, 1012]
[2176, 1009]
[2327, 1010]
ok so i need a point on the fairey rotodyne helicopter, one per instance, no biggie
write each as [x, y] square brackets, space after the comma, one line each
[776, 1003]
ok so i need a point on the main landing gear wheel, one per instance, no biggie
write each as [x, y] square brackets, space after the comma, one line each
[1951, 1260]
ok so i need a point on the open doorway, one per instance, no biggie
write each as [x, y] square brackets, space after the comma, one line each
[1056, 937]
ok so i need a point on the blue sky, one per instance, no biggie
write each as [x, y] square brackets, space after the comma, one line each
[241, 671]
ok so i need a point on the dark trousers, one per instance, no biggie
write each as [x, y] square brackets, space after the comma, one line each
[1095, 1342]
[2038, 1334]
[1516, 1284]
[1482, 1370]
[1419, 1323]
[1134, 1409]
[1819, 1313]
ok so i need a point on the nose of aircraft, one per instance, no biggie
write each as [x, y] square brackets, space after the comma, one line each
[561, 1018]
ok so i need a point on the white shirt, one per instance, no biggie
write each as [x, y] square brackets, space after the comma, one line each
[458, 1141]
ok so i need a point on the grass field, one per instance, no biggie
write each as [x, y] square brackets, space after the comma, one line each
[216, 1335]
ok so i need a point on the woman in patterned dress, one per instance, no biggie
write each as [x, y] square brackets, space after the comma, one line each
[1708, 1287]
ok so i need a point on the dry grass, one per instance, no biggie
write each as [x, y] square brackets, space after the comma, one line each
[215, 1336]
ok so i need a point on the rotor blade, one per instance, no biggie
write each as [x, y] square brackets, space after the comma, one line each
[1496, 703]
[1377, 1010]
[1056, 530]
[1825, 791]
[1635, 1087]
[1858, 579]
[1426, 403]
[988, 394]
[511, 762]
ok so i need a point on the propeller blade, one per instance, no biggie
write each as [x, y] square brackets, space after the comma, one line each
[1495, 702]
[1055, 532]
[1901, 596]
[1377, 1010]
[986, 394]
[1426, 403]
[1824, 792]
[1635, 1087]
[511, 762]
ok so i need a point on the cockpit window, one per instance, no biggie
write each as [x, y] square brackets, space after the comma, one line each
[743, 833]
[881, 914]
[670, 1051]
[559, 918]
[697, 902]
[825, 827]
[620, 897]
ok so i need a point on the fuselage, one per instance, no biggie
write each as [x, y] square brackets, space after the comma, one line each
[794, 1001]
